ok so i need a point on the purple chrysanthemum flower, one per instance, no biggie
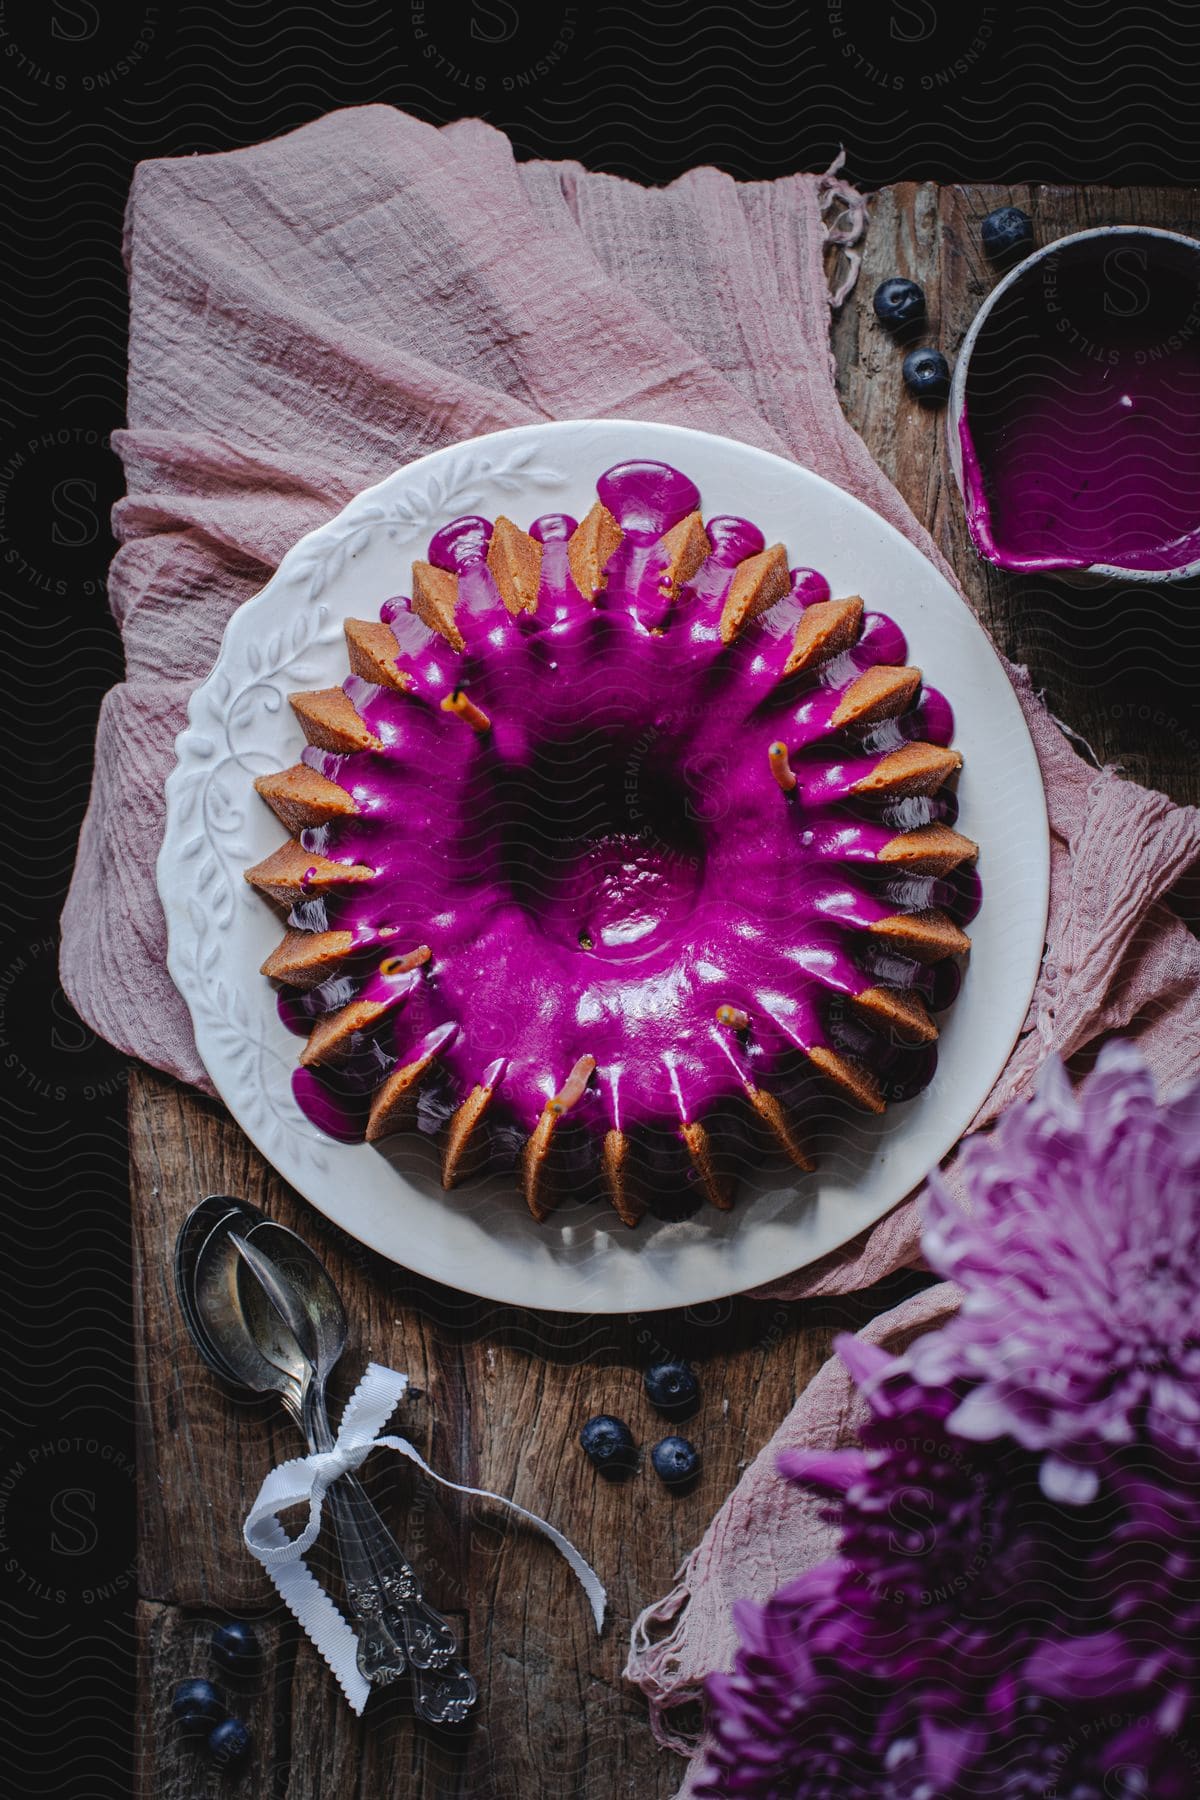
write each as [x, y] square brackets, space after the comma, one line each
[974, 1639]
[986, 1632]
[1080, 1327]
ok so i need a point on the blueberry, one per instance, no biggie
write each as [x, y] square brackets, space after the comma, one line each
[609, 1444]
[675, 1461]
[236, 1649]
[927, 375]
[1007, 232]
[197, 1706]
[228, 1743]
[673, 1389]
[899, 304]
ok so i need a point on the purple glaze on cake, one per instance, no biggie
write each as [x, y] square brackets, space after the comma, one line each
[1080, 430]
[613, 860]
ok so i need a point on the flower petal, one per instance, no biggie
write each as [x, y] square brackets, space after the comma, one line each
[1082, 1668]
[1071, 1484]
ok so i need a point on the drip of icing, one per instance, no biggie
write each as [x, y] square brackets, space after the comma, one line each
[553, 528]
[647, 498]
[410, 633]
[809, 586]
[733, 540]
[613, 859]
[324, 1103]
[460, 544]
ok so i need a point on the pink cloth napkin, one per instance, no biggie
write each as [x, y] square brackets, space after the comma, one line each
[310, 313]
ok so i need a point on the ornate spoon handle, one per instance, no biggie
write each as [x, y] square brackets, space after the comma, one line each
[443, 1690]
[381, 1586]
[380, 1656]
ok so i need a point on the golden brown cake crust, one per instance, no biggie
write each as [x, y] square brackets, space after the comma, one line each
[515, 561]
[685, 547]
[913, 769]
[773, 1116]
[306, 958]
[826, 629]
[394, 1108]
[464, 1137]
[372, 649]
[333, 1034]
[435, 601]
[328, 719]
[715, 1181]
[757, 584]
[878, 693]
[903, 1012]
[535, 1176]
[623, 1192]
[589, 548]
[930, 850]
[851, 1079]
[301, 796]
[293, 873]
[927, 936]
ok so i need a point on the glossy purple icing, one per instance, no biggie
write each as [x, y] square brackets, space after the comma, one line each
[1080, 433]
[614, 860]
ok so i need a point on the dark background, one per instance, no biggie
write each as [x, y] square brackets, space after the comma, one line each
[925, 89]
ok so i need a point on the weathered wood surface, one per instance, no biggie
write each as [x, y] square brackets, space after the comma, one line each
[506, 1390]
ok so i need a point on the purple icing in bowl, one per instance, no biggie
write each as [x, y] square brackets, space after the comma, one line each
[1076, 419]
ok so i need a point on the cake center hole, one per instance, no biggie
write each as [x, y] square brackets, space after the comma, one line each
[599, 845]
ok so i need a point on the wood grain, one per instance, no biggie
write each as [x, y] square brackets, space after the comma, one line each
[505, 1391]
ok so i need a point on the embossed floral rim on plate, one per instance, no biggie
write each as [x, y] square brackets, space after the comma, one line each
[480, 1238]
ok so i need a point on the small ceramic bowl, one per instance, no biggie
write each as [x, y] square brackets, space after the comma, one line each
[1074, 415]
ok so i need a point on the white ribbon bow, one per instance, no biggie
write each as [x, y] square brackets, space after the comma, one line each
[368, 1410]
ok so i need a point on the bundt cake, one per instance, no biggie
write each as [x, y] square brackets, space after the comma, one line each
[623, 848]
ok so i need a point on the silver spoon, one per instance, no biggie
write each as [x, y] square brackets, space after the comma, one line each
[195, 1228]
[301, 1291]
[243, 1340]
[264, 1356]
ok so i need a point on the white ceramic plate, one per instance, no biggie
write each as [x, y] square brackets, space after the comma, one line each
[481, 1238]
